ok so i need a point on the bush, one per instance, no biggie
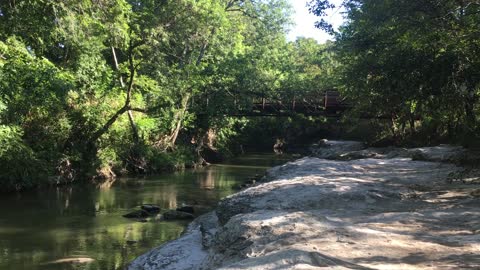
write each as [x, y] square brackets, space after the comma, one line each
[148, 159]
[159, 160]
[19, 166]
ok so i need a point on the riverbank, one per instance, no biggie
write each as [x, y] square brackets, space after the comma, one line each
[346, 208]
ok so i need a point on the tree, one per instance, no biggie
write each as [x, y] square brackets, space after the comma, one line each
[110, 84]
[409, 60]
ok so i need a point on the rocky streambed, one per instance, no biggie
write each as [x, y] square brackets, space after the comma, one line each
[345, 207]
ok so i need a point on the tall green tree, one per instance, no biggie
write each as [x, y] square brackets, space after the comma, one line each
[91, 86]
[409, 59]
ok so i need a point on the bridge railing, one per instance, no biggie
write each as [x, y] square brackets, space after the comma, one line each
[218, 103]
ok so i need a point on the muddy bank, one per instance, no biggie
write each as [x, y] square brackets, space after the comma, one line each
[385, 211]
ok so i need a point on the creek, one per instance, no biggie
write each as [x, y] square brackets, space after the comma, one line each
[81, 226]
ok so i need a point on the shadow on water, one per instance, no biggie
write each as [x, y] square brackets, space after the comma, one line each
[81, 227]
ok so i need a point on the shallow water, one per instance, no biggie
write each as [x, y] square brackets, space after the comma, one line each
[57, 228]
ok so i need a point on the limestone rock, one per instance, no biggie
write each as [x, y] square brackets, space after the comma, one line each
[380, 212]
[185, 253]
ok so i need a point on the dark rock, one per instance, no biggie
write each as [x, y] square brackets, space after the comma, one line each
[419, 155]
[174, 215]
[251, 182]
[150, 208]
[186, 209]
[244, 185]
[137, 214]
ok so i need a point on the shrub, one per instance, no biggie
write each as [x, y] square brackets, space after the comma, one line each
[19, 166]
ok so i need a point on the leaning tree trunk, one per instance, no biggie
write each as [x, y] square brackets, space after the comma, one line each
[133, 125]
[180, 115]
[125, 107]
[179, 118]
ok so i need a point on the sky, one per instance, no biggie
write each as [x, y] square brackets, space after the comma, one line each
[305, 22]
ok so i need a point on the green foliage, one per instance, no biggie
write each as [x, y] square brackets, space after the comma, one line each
[415, 62]
[161, 161]
[229, 134]
[91, 87]
[20, 168]
[33, 92]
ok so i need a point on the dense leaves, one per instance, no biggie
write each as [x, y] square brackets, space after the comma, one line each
[415, 62]
[92, 89]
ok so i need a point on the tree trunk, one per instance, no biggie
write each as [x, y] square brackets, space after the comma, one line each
[116, 67]
[122, 110]
[393, 127]
[412, 123]
[136, 137]
[133, 125]
[469, 109]
[107, 125]
[179, 117]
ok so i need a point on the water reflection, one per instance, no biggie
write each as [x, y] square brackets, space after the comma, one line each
[82, 227]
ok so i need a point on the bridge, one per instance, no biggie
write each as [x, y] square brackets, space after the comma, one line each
[328, 104]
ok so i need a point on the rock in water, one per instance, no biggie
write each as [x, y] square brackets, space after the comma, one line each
[186, 209]
[150, 208]
[173, 215]
[137, 214]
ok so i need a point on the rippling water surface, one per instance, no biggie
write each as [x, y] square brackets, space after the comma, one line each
[80, 227]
